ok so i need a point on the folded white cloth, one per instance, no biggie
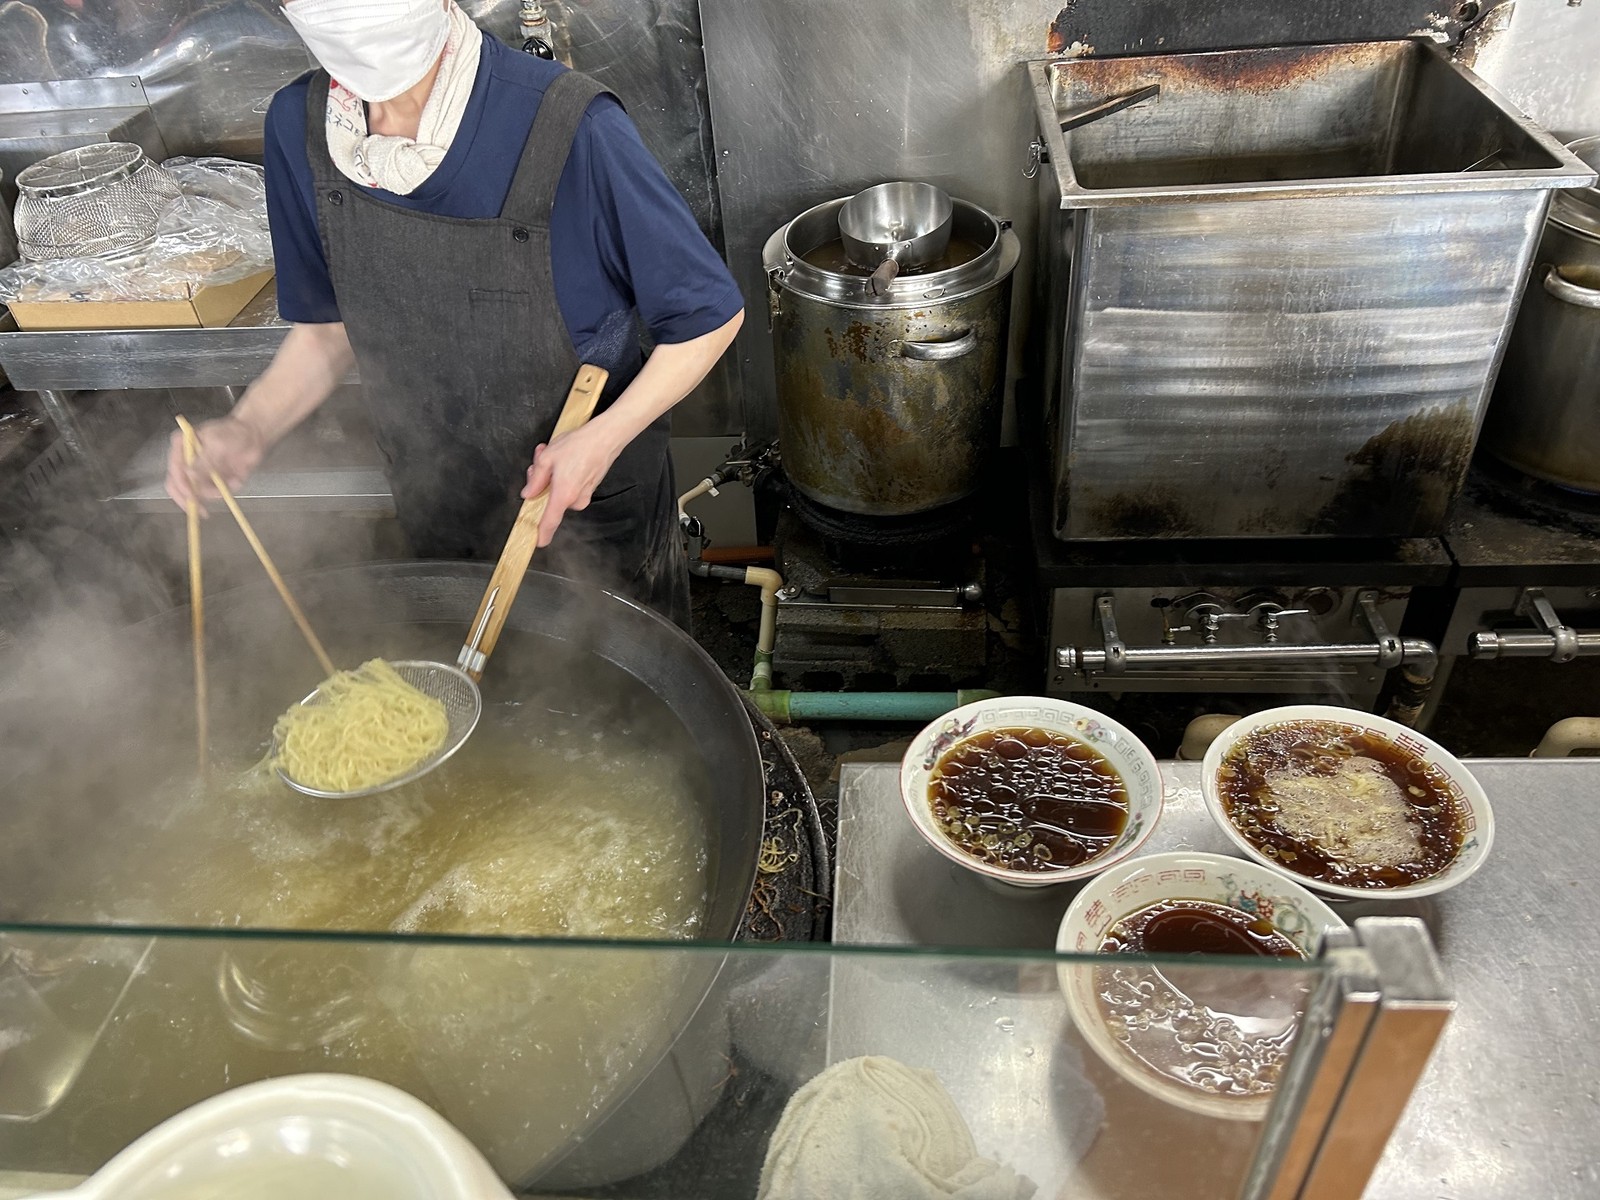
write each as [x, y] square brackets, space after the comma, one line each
[398, 164]
[876, 1129]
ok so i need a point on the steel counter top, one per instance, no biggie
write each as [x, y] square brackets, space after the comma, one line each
[1509, 1105]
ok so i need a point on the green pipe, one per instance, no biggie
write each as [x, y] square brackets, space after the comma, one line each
[786, 707]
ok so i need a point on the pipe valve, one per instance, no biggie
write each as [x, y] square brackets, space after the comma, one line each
[1555, 639]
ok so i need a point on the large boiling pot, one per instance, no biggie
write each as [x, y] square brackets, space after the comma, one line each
[95, 728]
[1545, 418]
[889, 404]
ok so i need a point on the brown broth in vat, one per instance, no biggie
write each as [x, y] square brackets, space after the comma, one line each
[1028, 799]
[1196, 927]
[1339, 804]
[831, 256]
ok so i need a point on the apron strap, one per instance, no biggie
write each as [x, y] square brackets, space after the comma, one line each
[321, 161]
[544, 157]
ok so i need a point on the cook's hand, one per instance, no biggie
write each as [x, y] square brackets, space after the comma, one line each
[231, 447]
[571, 467]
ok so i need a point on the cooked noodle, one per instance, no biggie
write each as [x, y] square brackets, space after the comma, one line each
[367, 726]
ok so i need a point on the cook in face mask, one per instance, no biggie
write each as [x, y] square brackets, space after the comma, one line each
[467, 225]
[375, 48]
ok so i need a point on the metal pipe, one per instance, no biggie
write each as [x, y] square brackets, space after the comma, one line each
[785, 707]
[1132, 657]
[1201, 732]
[1567, 737]
[706, 486]
[1581, 644]
[700, 567]
[769, 581]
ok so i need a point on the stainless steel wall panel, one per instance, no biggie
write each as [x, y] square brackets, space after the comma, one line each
[1545, 56]
[817, 98]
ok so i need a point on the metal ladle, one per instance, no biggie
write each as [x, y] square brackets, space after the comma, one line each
[456, 687]
[895, 227]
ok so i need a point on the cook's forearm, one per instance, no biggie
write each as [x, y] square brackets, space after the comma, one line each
[311, 363]
[670, 373]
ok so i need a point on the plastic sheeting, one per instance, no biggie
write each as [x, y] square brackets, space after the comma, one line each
[214, 233]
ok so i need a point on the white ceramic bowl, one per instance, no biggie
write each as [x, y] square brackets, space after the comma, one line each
[1220, 879]
[310, 1137]
[1126, 753]
[1477, 837]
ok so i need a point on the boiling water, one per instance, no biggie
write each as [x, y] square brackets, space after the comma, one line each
[545, 824]
[575, 834]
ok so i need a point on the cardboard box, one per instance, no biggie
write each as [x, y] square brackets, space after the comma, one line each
[206, 307]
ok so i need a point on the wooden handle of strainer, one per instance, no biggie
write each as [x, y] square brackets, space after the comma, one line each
[501, 593]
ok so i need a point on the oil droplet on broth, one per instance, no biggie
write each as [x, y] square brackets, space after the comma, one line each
[1340, 804]
[1028, 799]
[1224, 1031]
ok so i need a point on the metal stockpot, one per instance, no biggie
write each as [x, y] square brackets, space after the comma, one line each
[889, 405]
[1545, 419]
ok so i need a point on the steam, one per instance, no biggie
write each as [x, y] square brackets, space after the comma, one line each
[97, 699]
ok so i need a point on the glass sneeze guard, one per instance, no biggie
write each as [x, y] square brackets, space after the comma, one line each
[643, 1070]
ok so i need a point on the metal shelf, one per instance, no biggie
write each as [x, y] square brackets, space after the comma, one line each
[330, 489]
[296, 477]
[56, 364]
[87, 360]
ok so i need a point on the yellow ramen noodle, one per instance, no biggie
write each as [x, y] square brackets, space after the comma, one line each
[367, 727]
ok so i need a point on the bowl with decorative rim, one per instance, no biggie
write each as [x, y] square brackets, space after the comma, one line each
[1115, 745]
[1207, 1034]
[1444, 774]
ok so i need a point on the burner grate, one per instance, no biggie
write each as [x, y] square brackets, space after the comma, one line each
[1507, 489]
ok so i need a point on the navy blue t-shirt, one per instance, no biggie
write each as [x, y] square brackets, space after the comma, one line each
[621, 237]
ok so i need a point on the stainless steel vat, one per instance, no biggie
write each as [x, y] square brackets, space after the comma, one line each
[888, 405]
[1278, 292]
[1545, 419]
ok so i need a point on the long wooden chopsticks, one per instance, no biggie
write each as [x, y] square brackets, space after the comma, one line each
[261, 553]
[197, 610]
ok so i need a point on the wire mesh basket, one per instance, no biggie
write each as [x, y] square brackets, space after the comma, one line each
[93, 202]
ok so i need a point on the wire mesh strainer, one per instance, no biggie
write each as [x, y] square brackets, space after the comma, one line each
[451, 686]
[92, 202]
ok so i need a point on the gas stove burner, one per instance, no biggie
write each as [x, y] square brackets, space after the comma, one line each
[1502, 486]
[876, 544]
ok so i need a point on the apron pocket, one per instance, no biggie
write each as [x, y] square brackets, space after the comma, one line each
[501, 327]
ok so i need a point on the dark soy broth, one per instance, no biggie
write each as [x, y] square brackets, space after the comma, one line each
[831, 256]
[1336, 803]
[1028, 799]
[1196, 927]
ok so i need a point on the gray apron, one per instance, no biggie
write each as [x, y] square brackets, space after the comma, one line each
[466, 361]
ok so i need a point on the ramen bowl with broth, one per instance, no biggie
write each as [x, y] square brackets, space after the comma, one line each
[1210, 1038]
[1029, 792]
[1350, 804]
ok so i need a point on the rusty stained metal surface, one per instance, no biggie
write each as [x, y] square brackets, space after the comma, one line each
[1107, 27]
[865, 429]
[1268, 69]
[1301, 120]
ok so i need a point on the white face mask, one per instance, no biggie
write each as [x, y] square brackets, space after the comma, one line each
[375, 48]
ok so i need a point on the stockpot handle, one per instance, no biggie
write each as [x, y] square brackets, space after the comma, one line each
[940, 351]
[1564, 289]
